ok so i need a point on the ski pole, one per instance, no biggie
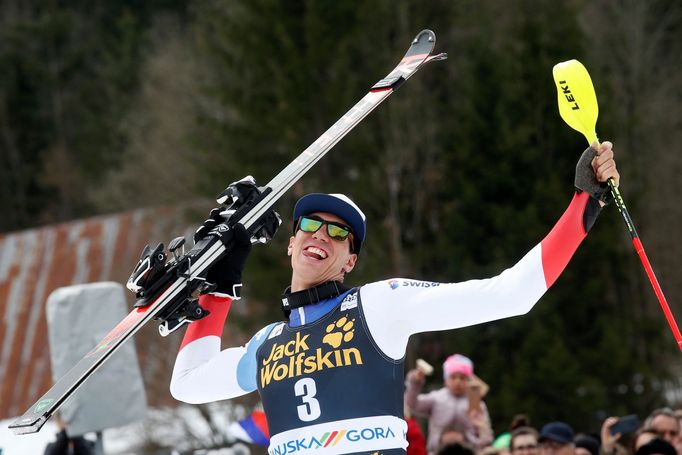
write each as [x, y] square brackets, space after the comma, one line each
[579, 108]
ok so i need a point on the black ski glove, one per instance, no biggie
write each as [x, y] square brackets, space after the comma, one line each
[226, 273]
[586, 181]
[241, 196]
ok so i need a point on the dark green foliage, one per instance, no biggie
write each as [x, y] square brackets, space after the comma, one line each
[68, 74]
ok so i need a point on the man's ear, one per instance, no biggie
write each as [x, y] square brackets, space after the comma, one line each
[350, 263]
[290, 248]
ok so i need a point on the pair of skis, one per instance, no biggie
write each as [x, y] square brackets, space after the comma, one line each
[171, 294]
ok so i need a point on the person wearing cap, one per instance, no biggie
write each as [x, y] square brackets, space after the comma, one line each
[556, 438]
[330, 375]
[448, 408]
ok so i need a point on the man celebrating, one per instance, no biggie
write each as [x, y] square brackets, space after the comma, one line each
[331, 375]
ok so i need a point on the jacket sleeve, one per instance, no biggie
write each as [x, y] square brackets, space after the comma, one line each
[397, 308]
[419, 403]
[203, 372]
[482, 431]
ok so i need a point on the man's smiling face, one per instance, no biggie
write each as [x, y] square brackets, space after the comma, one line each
[316, 258]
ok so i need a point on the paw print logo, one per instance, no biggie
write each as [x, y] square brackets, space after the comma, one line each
[339, 331]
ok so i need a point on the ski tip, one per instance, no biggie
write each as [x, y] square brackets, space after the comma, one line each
[425, 34]
[28, 425]
[423, 43]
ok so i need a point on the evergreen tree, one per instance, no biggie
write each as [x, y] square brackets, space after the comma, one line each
[68, 73]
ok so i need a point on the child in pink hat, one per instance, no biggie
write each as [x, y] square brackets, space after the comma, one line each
[450, 413]
[457, 363]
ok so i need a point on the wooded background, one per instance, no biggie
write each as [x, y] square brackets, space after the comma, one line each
[110, 106]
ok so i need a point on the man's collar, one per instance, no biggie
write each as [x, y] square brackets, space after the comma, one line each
[311, 296]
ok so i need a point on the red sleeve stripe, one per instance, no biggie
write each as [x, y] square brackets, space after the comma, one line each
[562, 241]
[213, 323]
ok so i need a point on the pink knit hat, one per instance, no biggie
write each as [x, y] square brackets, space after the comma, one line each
[457, 363]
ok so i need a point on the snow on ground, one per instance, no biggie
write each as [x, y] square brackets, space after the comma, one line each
[26, 444]
[182, 428]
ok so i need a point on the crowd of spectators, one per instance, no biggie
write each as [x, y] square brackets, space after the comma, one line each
[458, 423]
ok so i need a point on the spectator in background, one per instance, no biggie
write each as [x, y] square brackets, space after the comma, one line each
[503, 441]
[416, 442]
[642, 436]
[457, 405]
[678, 414]
[66, 445]
[678, 441]
[656, 446]
[518, 421]
[556, 438]
[452, 442]
[586, 445]
[524, 441]
[609, 442]
[453, 432]
[455, 449]
[664, 423]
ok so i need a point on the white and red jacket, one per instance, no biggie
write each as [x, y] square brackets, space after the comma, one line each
[390, 312]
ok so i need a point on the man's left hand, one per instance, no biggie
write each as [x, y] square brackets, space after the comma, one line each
[603, 164]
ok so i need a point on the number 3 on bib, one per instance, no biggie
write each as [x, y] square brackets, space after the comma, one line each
[310, 409]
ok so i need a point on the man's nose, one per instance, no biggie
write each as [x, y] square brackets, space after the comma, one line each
[321, 234]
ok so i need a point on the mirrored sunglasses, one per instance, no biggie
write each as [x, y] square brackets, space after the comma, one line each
[336, 231]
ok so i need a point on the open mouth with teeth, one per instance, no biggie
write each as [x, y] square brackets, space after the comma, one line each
[315, 253]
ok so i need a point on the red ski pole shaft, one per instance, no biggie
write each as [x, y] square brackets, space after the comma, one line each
[639, 248]
[657, 290]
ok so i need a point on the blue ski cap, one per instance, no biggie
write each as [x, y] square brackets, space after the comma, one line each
[557, 431]
[339, 205]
